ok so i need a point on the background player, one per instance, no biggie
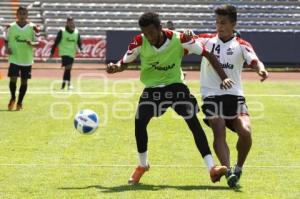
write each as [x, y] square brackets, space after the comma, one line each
[67, 40]
[20, 38]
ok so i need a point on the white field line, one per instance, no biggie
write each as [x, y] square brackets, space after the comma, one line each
[132, 93]
[129, 165]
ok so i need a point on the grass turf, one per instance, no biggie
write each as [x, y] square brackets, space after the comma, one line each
[42, 156]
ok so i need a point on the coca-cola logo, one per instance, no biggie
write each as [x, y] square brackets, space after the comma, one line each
[94, 50]
[91, 48]
[44, 49]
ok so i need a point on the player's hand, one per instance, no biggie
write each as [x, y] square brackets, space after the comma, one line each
[113, 68]
[264, 75]
[227, 84]
[29, 42]
[189, 33]
[8, 51]
[80, 54]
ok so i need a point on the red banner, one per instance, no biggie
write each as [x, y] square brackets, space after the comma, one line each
[92, 48]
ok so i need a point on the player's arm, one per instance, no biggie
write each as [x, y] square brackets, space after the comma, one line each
[56, 42]
[194, 47]
[34, 42]
[79, 42]
[131, 54]
[8, 51]
[226, 82]
[252, 59]
[261, 70]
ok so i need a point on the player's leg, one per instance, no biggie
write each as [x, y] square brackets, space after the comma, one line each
[216, 172]
[242, 126]
[13, 74]
[22, 92]
[145, 111]
[25, 75]
[212, 110]
[67, 76]
[67, 63]
[220, 145]
[187, 107]
[240, 123]
[64, 64]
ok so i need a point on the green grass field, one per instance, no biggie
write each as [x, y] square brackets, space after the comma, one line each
[42, 156]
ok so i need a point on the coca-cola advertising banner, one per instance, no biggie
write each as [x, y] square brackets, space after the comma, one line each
[92, 48]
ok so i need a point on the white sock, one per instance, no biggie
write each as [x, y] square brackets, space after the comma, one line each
[237, 168]
[208, 159]
[143, 157]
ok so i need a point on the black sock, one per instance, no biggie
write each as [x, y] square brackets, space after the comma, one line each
[69, 76]
[66, 78]
[199, 135]
[63, 84]
[12, 88]
[22, 92]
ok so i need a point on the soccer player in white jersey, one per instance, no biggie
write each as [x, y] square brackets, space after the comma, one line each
[227, 108]
[161, 52]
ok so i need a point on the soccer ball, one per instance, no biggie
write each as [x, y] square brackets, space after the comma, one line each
[86, 121]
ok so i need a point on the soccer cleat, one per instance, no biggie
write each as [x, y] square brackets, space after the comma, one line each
[217, 172]
[232, 179]
[19, 107]
[238, 174]
[137, 174]
[11, 104]
[70, 87]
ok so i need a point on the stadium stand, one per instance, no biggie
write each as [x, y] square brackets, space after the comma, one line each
[8, 10]
[94, 18]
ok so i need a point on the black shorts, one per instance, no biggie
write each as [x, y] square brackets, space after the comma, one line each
[15, 70]
[67, 61]
[227, 107]
[156, 101]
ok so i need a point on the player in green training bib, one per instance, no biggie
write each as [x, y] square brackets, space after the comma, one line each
[19, 42]
[67, 40]
[161, 53]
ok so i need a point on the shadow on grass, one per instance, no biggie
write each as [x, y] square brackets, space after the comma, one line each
[149, 187]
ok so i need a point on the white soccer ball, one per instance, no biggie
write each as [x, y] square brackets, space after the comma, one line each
[86, 121]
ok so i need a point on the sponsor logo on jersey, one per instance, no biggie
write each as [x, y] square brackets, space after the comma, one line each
[156, 66]
[18, 39]
[70, 39]
[227, 65]
[229, 51]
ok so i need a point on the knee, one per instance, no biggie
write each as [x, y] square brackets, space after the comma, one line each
[23, 81]
[13, 79]
[217, 122]
[245, 132]
[218, 126]
[141, 123]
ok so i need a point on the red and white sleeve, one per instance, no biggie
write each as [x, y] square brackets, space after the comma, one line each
[6, 32]
[248, 52]
[133, 51]
[191, 45]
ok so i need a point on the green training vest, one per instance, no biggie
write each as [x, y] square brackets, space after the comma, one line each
[22, 53]
[68, 43]
[164, 67]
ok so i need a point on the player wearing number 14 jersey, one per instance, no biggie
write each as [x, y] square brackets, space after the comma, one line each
[227, 108]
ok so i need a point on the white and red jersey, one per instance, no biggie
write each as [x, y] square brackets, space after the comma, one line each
[188, 44]
[232, 55]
